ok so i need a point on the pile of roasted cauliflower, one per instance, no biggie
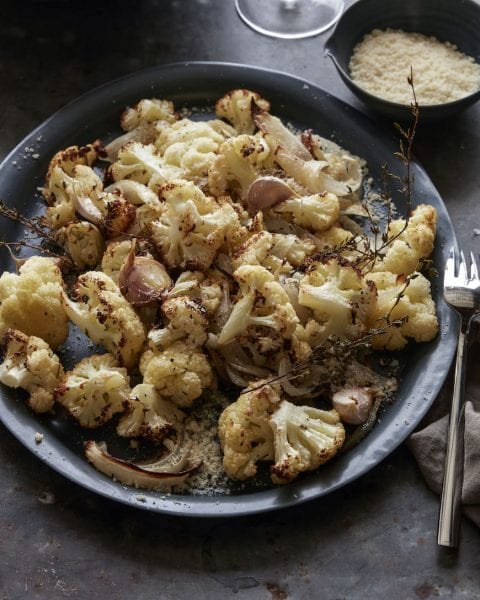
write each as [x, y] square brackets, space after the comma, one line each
[206, 254]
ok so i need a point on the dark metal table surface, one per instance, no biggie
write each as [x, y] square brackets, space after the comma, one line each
[375, 538]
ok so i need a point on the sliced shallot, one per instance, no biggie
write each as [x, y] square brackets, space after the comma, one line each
[154, 476]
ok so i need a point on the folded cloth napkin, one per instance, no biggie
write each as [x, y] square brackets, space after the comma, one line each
[428, 443]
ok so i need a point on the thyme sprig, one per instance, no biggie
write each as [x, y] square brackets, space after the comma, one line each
[37, 228]
[331, 348]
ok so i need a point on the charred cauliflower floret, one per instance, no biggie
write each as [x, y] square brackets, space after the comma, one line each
[148, 415]
[291, 248]
[236, 108]
[304, 438]
[30, 364]
[69, 177]
[415, 304]
[83, 242]
[254, 250]
[148, 110]
[188, 321]
[316, 213]
[180, 373]
[192, 145]
[413, 242]
[192, 227]
[106, 317]
[206, 288]
[141, 163]
[114, 257]
[82, 193]
[147, 205]
[262, 302]
[244, 431]
[339, 297]
[31, 301]
[94, 390]
[239, 161]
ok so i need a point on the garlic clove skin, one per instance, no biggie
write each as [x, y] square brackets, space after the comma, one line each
[353, 404]
[265, 192]
[142, 279]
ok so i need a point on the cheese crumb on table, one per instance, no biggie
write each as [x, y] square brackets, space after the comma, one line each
[381, 63]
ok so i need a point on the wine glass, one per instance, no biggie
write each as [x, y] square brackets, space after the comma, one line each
[290, 19]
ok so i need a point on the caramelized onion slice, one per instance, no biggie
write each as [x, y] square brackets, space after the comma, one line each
[144, 133]
[265, 192]
[274, 127]
[150, 477]
[142, 279]
[86, 208]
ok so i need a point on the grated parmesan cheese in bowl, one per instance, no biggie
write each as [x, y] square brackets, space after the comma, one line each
[381, 63]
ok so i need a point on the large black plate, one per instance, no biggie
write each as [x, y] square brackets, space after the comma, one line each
[96, 114]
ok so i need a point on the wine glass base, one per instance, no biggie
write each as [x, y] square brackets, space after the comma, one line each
[289, 19]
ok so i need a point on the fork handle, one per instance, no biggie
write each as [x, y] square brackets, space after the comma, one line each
[449, 518]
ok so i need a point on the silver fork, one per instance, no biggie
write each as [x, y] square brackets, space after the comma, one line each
[462, 293]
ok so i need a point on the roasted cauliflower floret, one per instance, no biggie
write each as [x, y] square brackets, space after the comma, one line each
[192, 227]
[148, 415]
[291, 248]
[83, 242]
[114, 257]
[106, 317]
[339, 297]
[31, 301]
[262, 302]
[188, 321]
[141, 163]
[415, 304]
[239, 161]
[206, 288]
[316, 213]
[254, 250]
[82, 193]
[146, 202]
[192, 145]
[29, 363]
[148, 110]
[180, 373]
[412, 244]
[94, 390]
[69, 176]
[236, 108]
[304, 438]
[244, 431]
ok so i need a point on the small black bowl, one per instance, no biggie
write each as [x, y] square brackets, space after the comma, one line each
[452, 21]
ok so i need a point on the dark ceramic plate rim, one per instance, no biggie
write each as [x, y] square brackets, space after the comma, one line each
[292, 95]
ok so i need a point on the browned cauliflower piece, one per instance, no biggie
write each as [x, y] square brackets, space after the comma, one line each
[30, 364]
[31, 301]
[304, 438]
[244, 431]
[94, 390]
[106, 316]
[180, 372]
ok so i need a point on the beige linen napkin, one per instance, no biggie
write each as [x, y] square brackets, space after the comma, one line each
[428, 443]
